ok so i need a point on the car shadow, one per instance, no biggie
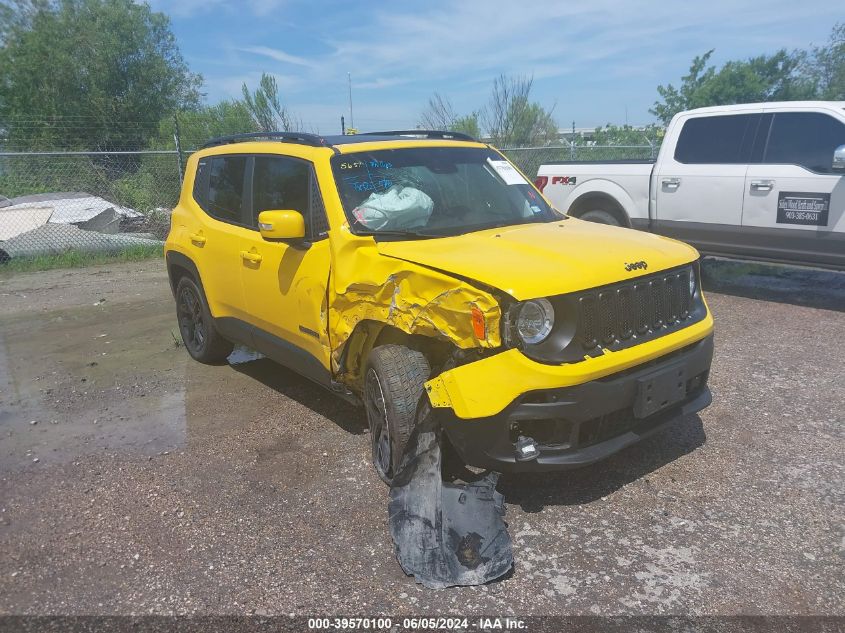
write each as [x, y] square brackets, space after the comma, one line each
[290, 384]
[808, 287]
[534, 491]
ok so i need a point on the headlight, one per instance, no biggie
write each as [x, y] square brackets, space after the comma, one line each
[534, 321]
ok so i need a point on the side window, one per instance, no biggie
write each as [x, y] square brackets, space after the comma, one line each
[226, 188]
[716, 139]
[804, 138]
[201, 183]
[280, 183]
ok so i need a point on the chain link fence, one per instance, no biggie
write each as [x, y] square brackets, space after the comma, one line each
[53, 203]
[529, 159]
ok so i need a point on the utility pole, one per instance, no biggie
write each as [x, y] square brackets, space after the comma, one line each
[351, 118]
[342, 125]
[572, 143]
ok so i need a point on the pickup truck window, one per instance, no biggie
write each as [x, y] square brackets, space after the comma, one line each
[224, 200]
[434, 191]
[807, 139]
[716, 139]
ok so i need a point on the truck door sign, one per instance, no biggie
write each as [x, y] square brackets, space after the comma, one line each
[795, 207]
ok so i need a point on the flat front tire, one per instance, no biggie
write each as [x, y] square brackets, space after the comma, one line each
[196, 325]
[393, 388]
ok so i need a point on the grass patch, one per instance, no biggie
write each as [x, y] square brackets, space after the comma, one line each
[79, 259]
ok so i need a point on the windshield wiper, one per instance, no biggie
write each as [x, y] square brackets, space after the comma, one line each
[398, 233]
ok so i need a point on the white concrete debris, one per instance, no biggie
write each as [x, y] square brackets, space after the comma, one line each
[53, 239]
[16, 220]
[48, 223]
[68, 207]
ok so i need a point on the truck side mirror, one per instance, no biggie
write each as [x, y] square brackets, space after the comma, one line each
[839, 158]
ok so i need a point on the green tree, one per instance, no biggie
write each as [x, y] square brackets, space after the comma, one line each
[511, 119]
[764, 78]
[627, 135]
[265, 106]
[198, 125]
[826, 65]
[467, 124]
[88, 74]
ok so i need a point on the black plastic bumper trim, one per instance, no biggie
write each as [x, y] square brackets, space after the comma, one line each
[486, 442]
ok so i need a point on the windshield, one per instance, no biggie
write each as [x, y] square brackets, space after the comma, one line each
[434, 191]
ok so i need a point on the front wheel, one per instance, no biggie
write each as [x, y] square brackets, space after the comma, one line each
[393, 387]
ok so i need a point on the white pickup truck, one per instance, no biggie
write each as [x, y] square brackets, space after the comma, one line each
[761, 181]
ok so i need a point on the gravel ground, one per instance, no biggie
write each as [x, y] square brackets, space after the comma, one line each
[133, 480]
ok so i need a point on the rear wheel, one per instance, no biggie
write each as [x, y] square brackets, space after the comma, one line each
[196, 325]
[393, 387]
[600, 216]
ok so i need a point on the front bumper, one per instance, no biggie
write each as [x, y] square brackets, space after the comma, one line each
[577, 425]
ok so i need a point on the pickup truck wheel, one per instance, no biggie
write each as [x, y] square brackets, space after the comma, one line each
[393, 387]
[600, 216]
[196, 325]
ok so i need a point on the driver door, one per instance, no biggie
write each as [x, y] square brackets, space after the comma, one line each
[285, 282]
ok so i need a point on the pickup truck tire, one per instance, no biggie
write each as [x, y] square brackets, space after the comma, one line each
[196, 325]
[393, 388]
[600, 216]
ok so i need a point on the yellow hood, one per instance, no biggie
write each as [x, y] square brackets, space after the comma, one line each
[536, 260]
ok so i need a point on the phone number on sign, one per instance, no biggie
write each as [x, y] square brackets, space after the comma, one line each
[386, 624]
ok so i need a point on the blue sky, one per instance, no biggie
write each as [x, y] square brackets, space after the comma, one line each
[590, 60]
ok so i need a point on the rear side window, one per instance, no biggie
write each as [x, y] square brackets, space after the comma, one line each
[226, 188]
[807, 139]
[716, 139]
[201, 183]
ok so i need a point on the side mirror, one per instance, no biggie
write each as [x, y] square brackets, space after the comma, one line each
[839, 158]
[281, 225]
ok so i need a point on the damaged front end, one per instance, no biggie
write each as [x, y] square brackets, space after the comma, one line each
[376, 294]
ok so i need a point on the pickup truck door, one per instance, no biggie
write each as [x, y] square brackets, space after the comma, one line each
[698, 188]
[794, 202]
[285, 283]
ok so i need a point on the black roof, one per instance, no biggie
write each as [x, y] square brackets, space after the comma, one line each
[316, 140]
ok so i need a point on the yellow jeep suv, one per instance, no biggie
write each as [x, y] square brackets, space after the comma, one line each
[421, 272]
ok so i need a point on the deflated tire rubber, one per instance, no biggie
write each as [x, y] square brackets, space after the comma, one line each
[445, 534]
[396, 375]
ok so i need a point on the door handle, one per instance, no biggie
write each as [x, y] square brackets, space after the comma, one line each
[762, 185]
[671, 183]
[197, 239]
[249, 256]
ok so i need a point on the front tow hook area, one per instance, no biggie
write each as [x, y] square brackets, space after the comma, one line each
[445, 534]
[525, 449]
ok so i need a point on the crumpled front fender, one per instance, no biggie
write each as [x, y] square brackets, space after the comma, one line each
[409, 297]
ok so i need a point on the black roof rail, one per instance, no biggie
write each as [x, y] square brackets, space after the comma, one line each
[458, 136]
[295, 137]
